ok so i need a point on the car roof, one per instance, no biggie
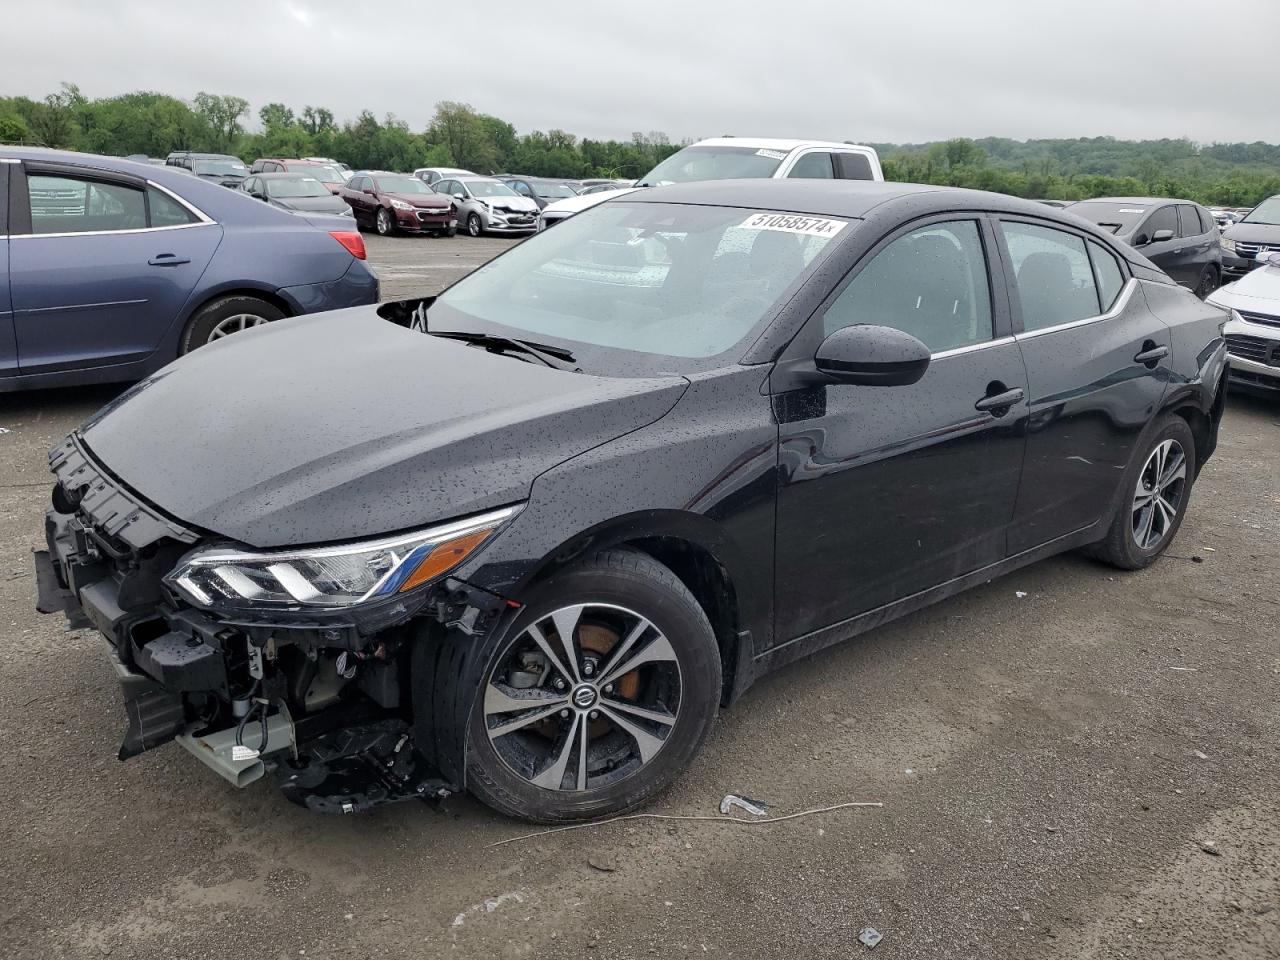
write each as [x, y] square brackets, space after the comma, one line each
[277, 175]
[1145, 200]
[768, 143]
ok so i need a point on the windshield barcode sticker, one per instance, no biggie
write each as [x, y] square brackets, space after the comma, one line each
[772, 154]
[790, 223]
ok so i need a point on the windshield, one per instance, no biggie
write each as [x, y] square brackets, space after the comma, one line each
[714, 163]
[489, 188]
[1268, 211]
[402, 185]
[554, 191]
[671, 280]
[1116, 217]
[296, 187]
[325, 173]
[220, 168]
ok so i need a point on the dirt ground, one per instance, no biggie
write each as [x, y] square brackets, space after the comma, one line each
[1088, 770]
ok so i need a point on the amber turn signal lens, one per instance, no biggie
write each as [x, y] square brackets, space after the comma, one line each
[445, 556]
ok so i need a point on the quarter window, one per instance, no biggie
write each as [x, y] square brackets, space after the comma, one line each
[812, 166]
[930, 283]
[62, 204]
[853, 166]
[1108, 275]
[1055, 280]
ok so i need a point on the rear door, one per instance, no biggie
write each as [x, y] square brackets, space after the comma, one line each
[100, 265]
[1165, 254]
[1196, 245]
[8, 340]
[1097, 364]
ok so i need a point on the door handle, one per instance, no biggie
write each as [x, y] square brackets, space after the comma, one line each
[998, 404]
[1151, 354]
[167, 260]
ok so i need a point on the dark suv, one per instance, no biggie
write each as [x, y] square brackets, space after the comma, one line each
[1179, 236]
[1258, 232]
[219, 168]
[540, 190]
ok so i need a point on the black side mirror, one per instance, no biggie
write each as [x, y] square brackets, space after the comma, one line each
[1160, 236]
[872, 356]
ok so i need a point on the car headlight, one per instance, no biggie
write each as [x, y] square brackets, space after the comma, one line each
[1229, 245]
[401, 205]
[331, 577]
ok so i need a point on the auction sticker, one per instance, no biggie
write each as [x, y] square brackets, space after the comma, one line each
[793, 223]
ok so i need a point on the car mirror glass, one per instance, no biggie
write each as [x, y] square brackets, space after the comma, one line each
[872, 355]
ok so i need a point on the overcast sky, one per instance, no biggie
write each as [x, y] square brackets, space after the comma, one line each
[844, 70]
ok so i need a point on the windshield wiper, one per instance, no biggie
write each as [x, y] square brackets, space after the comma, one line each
[555, 357]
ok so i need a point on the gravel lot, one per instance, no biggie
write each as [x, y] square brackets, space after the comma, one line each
[1052, 766]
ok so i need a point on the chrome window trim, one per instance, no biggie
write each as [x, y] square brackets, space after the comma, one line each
[202, 220]
[970, 348]
[1117, 308]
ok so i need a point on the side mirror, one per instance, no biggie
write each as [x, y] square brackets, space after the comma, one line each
[459, 196]
[368, 190]
[1160, 236]
[872, 356]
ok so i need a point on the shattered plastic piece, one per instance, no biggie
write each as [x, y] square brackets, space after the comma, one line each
[1019, 594]
[870, 936]
[1211, 848]
[1200, 755]
[756, 808]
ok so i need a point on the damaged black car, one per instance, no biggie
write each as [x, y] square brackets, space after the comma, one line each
[525, 538]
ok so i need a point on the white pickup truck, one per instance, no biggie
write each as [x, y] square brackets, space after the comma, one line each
[736, 158]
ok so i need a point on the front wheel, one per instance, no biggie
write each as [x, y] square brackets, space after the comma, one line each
[1154, 496]
[475, 227]
[602, 691]
[383, 222]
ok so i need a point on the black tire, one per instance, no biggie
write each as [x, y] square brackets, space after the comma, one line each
[475, 226]
[201, 327]
[384, 222]
[451, 232]
[1209, 281]
[1121, 548]
[639, 583]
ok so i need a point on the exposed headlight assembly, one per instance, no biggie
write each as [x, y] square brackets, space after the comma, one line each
[331, 577]
[1229, 245]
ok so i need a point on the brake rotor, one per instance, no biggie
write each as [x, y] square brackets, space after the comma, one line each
[598, 639]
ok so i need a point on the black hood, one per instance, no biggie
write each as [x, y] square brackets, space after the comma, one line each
[342, 425]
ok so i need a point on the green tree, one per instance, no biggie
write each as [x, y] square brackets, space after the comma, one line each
[223, 115]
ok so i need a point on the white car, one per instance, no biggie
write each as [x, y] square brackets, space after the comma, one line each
[1253, 331]
[433, 175]
[737, 158]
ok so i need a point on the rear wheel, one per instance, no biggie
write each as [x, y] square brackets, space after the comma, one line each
[1208, 282]
[224, 317]
[600, 694]
[1155, 493]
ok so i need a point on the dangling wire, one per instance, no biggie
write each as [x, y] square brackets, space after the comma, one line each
[255, 702]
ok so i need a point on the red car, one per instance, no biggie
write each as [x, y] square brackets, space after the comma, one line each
[327, 174]
[395, 202]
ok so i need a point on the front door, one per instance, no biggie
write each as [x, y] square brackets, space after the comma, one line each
[101, 268]
[1097, 365]
[887, 491]
[8, 341]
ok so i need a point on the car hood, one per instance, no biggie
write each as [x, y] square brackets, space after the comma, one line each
[1268, 233]
[420, 200]
[578, 204]
[1257, 290]
[342, 425]
[329, 204]
[523, 204]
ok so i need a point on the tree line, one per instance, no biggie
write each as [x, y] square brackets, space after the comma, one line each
[1234, 174]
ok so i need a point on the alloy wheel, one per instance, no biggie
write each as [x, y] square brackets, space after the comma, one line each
[473, 225]
[583, 697]
[1158, 497]
[1208, 283]
[234, 324]
[383, 222]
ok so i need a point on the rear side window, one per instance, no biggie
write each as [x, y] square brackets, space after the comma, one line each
[167, 212]
[813, 166]
[930, 283]
[1189, 218]
[853, 166]
[1055, 281]
[64, 204]
[1163, 219]
[1107, 273]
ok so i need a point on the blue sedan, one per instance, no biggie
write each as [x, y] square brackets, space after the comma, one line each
[109, 269]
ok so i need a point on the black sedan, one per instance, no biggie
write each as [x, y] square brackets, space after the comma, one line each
[296, 192]
[558, 515]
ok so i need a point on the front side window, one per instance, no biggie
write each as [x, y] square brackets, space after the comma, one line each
[1163, 219]
[813, 166]
[672, 280]
[64, 204]
[1055, 280]
[930, 283]
[166, 211]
